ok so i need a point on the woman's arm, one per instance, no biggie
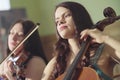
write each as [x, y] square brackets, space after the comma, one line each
[48, 69]
[100, 37]
[35, 68]
[114, 43]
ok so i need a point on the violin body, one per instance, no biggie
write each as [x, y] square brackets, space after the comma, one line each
[87, 73]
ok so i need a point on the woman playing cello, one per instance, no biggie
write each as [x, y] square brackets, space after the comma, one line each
[71, 20]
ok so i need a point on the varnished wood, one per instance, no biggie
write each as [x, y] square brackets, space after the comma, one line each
[86, 74]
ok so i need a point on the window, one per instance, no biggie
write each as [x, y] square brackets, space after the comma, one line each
[4, 5]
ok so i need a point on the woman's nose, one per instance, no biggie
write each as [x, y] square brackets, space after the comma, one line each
[14, 37]
[62, 21]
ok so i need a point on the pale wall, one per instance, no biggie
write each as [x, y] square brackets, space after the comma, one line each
[42, 11]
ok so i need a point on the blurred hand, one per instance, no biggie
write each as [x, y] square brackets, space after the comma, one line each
[8, 70]
[97, 35]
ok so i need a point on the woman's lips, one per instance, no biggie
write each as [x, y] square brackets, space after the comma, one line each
[62, 27]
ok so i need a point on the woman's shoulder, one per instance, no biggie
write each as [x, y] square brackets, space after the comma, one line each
[35, 67]
[48, 69]
[37, 60]
[51, 63]
[31, 65]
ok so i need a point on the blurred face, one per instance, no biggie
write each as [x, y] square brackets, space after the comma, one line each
[65, 23]
[16, 35]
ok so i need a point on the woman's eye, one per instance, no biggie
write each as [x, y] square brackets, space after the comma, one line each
[67, 15]
[20, 34]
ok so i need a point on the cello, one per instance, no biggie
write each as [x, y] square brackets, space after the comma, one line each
[88, 73]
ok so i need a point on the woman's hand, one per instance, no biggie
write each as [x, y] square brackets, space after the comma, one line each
[8, 70]
[97, 35]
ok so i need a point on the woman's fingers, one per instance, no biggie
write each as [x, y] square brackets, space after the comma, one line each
[84, 34]
[9, 66]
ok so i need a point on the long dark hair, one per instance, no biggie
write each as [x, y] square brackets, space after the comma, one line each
[82, 21]
[33, 43]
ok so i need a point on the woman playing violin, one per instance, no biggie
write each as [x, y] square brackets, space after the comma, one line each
[73, 25]
[31, 50]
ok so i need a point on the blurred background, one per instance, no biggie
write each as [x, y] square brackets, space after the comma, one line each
[42, 11]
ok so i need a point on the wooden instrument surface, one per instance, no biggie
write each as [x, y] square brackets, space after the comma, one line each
[87, 73]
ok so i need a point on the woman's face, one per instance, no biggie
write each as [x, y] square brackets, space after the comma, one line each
[65, 23]
[16, 35]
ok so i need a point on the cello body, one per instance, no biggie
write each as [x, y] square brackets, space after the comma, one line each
[87, 73]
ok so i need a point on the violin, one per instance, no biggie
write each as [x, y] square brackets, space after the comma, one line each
[88, 73]
[19, 60]
[19, 63]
